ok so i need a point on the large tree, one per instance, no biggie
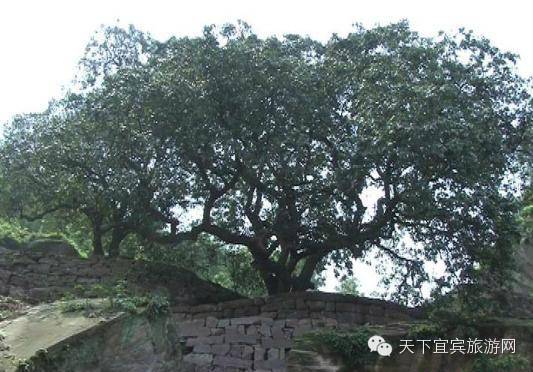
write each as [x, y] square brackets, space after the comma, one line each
[285, 137]
[306, 152]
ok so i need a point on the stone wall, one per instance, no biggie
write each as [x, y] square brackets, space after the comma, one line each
[218, 330]
[256, 334]
[46, 270]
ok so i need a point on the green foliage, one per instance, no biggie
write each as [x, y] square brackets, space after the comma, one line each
[486, 296]
[229, 266]
[156, 306]
[70, 304]
[16, 233]
[511, 363]
[121, 299]
[349, 286]
[276, 141]
[116, 298]
[527, 220]
[466, 313]
[452, 314]
[350, 346]
[426, 331]
[235, 271]
[72, 228]
[526, 215]
[12, 233]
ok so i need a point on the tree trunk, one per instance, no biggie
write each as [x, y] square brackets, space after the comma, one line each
[289, 273]
[96, 220]
[287, 283]
[276, 285]
[98, 249]
[117, 236]
[286, 280]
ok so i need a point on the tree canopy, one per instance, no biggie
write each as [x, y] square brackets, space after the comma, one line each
[306, 153]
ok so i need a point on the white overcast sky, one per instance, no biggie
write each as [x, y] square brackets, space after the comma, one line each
[41, 41]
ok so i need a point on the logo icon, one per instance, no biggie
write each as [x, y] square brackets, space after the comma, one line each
[377, 343]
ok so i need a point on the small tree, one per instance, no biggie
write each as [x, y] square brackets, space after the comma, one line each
[93, 153]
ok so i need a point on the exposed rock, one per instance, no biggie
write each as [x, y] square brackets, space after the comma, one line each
[53, 341]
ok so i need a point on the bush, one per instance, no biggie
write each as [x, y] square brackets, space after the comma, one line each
[117, 298]
[12, 234]
[510, 363]
[350, 346]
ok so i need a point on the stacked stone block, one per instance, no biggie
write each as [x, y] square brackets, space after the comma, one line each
[47, 270]
[256, 334]
[219, 331]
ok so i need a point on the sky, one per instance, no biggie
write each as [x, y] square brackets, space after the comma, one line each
[42, 41]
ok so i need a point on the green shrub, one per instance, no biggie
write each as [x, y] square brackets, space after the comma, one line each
[509, 363]
[157, 305]
[116, 298]
[425, 331]
[12, 234]
[226, 265]
[71, 305]
[350, 346]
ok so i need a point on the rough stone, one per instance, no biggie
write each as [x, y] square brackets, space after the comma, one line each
[198, 359]
[225, 361]
[221, 349]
